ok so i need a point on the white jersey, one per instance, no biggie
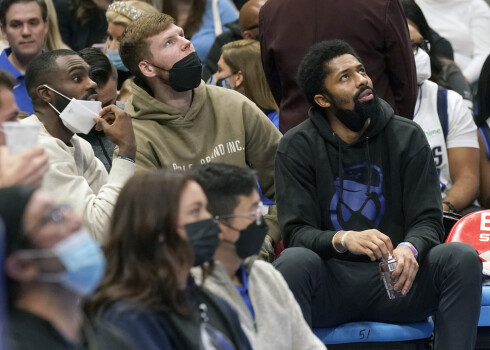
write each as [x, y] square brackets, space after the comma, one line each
[461, 128]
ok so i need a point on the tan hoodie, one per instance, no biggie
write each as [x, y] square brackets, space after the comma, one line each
[221, 125]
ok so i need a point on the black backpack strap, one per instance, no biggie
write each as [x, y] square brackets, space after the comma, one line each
[442, 110]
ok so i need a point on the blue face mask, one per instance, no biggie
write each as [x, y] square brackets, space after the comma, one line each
[82, 258]
[115, 59]
[225, 82]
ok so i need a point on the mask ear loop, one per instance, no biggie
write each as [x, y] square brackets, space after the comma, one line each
[59, 93]
[34, 254]
[54, 108]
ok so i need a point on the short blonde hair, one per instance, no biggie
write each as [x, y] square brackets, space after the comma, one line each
[125, 12]
[134, 44]
[244, 56]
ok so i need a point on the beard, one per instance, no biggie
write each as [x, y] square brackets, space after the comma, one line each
[356, 119]
[60, 102]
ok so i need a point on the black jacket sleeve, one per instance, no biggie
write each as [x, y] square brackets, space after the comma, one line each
[296, 198]
[422, 203]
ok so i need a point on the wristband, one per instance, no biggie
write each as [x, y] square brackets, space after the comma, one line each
[126, 158]
[342, 241]
[335, 248]
[451, 207]
[412, 248]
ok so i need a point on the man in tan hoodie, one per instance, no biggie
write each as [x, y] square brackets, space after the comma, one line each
[179, 121]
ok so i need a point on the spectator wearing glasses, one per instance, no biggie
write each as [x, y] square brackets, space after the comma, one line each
[451, 133]
[260, 294]
[51, 263]
[444, 71]
[160, 220]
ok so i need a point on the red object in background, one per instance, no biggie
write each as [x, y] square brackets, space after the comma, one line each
[473, 229]
[278, 248]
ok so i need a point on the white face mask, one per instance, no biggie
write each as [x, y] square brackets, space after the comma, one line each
[422, 64]
[78, 115]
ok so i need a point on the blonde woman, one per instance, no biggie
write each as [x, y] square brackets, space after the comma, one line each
[53, 39]
[119, 15]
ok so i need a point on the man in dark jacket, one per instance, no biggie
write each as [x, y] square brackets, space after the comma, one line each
[356, 184]
[376, 29]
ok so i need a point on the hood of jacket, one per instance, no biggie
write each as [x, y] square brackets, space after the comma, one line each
[141, 105]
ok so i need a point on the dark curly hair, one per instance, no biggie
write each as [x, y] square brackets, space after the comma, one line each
[313, 68]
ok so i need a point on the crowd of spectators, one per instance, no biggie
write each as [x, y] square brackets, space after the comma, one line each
[229, 174]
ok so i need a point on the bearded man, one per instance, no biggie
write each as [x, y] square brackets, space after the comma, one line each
[356, 184]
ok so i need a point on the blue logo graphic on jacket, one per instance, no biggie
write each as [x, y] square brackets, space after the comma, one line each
[360, 203]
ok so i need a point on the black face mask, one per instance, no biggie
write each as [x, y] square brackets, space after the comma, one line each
[356, 119]
[185, 74]
[251, 240]
[203, 238]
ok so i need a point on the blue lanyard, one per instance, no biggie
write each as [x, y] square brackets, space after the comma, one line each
[244, 290]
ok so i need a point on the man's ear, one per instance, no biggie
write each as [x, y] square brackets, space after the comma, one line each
[322, 101]
[221, 229]
[20, 270]
[248, 35]
[4, 33]
[147, 69]
[45, 94]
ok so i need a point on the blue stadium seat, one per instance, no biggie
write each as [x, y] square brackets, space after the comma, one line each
[363, 332]
[484, 320]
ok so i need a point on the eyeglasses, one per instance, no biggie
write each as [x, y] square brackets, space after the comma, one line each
[257, 213]
[423, 44]
[252, 27]
[55, 214]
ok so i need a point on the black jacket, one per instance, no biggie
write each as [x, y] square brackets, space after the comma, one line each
[151, 330]
[29, 331]
[75, 35]
[385, 180]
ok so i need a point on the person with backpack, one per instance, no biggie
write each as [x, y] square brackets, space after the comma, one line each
[450, 131]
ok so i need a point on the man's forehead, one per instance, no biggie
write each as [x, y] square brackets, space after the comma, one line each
[17, 11]
[168, 32]
[71, 62]
[343, 62]
[249, 16]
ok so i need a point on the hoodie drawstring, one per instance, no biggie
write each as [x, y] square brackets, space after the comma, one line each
[341, 169]
[341, 172]
[368, 157]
